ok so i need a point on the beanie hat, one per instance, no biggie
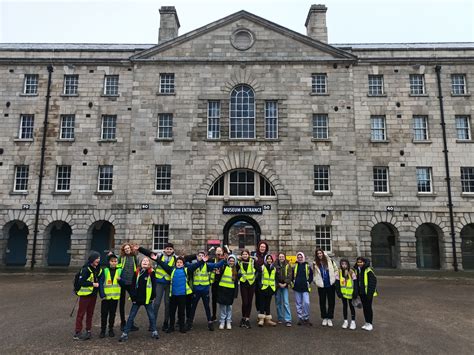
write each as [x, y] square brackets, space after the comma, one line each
[232, 256]
[111, 256]
[93, 255]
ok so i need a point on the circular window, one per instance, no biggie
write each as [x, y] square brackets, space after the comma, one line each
[242, 39]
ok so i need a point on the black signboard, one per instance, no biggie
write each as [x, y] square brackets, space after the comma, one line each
[242, 209]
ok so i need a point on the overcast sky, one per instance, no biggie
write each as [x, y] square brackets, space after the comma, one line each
[137, 21]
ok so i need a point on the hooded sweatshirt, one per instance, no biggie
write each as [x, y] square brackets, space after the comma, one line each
[261, 256]
[301, 282]
[371, 279]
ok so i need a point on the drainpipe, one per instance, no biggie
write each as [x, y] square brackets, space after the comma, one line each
[41, 172]
[446, 162]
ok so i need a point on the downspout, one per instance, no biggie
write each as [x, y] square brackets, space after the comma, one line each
[41, 172]
[446, 162]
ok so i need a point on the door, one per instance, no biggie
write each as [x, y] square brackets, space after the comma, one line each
[383, 246]
[102, 239]
[241, 232]
[467, 247]
[17, 245]
[427, 247]
[59, 245]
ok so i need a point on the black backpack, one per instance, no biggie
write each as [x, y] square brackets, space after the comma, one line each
[76, 285]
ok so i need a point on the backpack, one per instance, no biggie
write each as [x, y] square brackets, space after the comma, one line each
[76, 286]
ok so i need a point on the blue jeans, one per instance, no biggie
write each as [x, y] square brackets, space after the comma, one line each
[226, 313]
[205, 301]
[283, 305]
[133, 314]
[302, 305]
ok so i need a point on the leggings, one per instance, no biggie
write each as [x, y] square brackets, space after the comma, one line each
[367, 306]
[246, 292]
[346, 302]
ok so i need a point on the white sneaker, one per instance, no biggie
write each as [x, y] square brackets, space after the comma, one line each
[221, 325]
[229, 325]
[325, 322]
[369, 327]
[330, 323]
[364, 326]
[353, 325]
[345, 324]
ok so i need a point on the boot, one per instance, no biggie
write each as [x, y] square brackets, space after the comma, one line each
[102, 333]
[165, 326]
[242, 323]
[210, 326]
[268, 321]
[261, 319]
[111, 332]
[189, 325]
[247, 324]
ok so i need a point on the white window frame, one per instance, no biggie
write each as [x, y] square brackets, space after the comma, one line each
[456, 85]
[71, 85]
[26, 176]
[318, 127]
[167, 83]
[63, 177]
[417, 80]
[30, 129]
[374, 129]
[106, 129]
[374, 88]
[430, 173]
[323, 233]
[376, 175]
[319, 83]
[160, 232]
[168, 129]
[63, 119]
[269, 111]
[467, 128]
[326, 170]
[111, 85]
[103, 178]
[29, 86]
[469, 181]
[214, 119]
[164, 178]
[424, 128]
[240, 124]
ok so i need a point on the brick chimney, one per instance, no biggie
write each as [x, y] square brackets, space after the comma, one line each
[316, 23]
[169, 24]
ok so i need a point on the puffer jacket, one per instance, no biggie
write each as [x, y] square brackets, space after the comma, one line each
[332, 268]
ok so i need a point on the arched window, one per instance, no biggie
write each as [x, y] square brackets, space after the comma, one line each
[242, 183]
[242, 112]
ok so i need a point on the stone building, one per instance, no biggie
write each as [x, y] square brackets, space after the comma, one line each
[239, 131]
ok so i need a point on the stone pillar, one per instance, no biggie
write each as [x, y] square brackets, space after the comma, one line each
[169, 24]
[316, 23]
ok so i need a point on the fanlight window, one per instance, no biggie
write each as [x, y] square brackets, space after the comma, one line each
[242, 183]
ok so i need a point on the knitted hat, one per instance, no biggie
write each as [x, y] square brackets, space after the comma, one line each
[232, 256]
[111, 256]
[93, 255]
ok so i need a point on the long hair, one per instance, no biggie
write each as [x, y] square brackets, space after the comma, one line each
[234, 269]
[324, 260]
[122, 249]
[346, 273]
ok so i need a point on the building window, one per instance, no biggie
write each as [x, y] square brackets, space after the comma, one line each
[242, 112]
[31, 84]
[420, 128]
[381, 179]
[467, 180]
[321, 178]
[424, 180]
[417, 84]
[111, 85]
[376, 85]
[21, 178]
[71, 84]
[213, 119]
[66, 130]
[377, 128]
[323, 238]
[242, 183]
[26, 126]
[319, 83]
[109, 127]
[167, 83]
[163, 177]
[320, 126]
[271, 119]
[458, 84]
[106, 176]
[463, 127]
[63, 178]
[217, 188]
[160, 236]
[266, 188]
[165, 126]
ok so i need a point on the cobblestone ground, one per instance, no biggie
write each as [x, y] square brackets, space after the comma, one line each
[422, 315]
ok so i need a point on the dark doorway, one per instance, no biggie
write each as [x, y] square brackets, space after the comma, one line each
[15, 254]
[383, 246]
[59, 244]
[467, 247]
[102, 241]
[427, 247]
[241, 232]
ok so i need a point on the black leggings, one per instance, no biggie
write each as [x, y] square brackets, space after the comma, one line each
[367, 306]
[123, 294]
[346, 302]
[177, 302]
[328, 293]
[265, 302]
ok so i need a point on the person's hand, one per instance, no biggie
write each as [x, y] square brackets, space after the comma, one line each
[217, 271]
[153, 256]
[205, 258]
[95, 284]
[211, 249]
[110, 252]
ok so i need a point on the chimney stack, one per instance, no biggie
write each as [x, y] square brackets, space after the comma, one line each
[169, 24]
[316, 23]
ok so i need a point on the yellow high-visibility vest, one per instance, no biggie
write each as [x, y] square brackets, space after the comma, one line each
[226, 279]
[249, 274]
[307, 275]
[268, 279]
[201, 276]
[160, 273]
[149, 287]
[87, 290]
[347, 286]
[111, 287]
[366, 280]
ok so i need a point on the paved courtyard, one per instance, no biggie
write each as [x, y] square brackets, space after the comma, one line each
[422, 315]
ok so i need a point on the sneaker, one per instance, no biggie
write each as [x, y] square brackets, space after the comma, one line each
[247, 324]
[325, 322]
[288, 324]
[364, 326]
[300, 322]
[221, 325]
[229, 325]
[77, 336]
[134, 328]
[345, 324]
[155, 335]
[87, 336]
[182, 329]
[369, 327]
[165, 327]
[123, 337]
[330, 323]
[280, 322]
[353, 325]
[102, 334]
[308, 323]
[170, 330]
[210, 326]
[111, 333]
[242, 323]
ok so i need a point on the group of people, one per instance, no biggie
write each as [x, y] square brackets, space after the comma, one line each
[180, 282]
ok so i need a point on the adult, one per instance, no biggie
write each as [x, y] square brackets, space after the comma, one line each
[367, 282]
[128, 263]
[262, 251]
[325, 270]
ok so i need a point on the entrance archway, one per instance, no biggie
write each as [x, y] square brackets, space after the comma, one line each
[467, 247]
[383, 245]
[241, 232]
[427, 247]
[17, 234]
[102, 233]
[59, 244]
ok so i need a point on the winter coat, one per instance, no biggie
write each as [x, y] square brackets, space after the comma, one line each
[226, 295]
[86, 273]
[300, 281]
[284, 273]
[332, 269]
[371, 280]
[138, 289]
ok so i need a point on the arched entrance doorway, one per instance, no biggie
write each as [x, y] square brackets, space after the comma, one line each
[383, 246]
[241, 232]
[59, 244]
[467, 247]
[427, 247]
[102, 233]
[17, 234]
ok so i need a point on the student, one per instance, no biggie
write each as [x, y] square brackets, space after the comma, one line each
[109, 289]
[201, 289]
[179, 288]
[262, 251]
[325, 270]
[346, 289]
[367, 289]
[267, 290]
[227, 291]
[284, 276]
[215, 278]
[128, 263]
[246, 268]
[89, 286]
[302, 277]
[143, 294]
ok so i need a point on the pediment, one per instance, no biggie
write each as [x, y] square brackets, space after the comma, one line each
[226, 40]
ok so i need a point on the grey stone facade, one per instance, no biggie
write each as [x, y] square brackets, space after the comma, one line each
[207, 66]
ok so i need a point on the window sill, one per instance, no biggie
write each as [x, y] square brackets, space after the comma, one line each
[467, 194]
[107, 141]
[166, 93]
[167, 192]
[381, 95]
[428, 141]
[28, 95]
[21, 193]
[323, 140]
[380, 142]
[426, 194]
[319, 94]
[238, 140]
[382, 194]
[61, 193]
[69, 95]
[110, 96]
[322, 193]
[164, 139]
[461, 95]
[418, 95]
[20, 140]
[103, 193]
[65, 140]
[464, 141]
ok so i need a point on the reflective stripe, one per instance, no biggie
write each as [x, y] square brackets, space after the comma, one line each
[87, 290]
[226, 279]
[347, 286]
[268, 279]
[112, 287]
[188, 289]
[148, 287]
[160, 273]
[366, 280]
[249, 274]
[201, 276]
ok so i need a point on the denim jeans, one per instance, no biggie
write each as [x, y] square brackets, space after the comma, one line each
[205, 301]
[283, 305]
[226, 313]
[162, 290]
[133, 314]
[302, 305]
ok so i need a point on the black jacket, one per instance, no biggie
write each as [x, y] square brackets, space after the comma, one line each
[85, 274]
[371, 280]
[138, 289]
